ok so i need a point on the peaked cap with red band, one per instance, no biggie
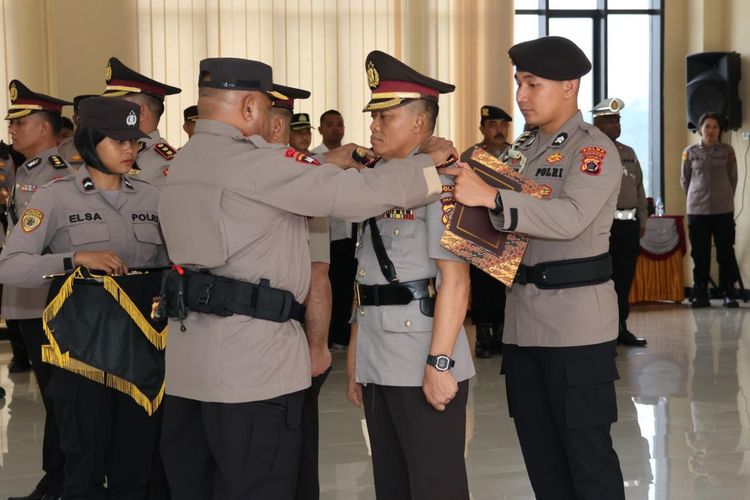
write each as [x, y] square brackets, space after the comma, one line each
[23, 101]
[122, 80]
[291, 93]
[394, 83]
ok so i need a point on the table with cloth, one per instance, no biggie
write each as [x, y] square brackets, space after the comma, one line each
[659, 271]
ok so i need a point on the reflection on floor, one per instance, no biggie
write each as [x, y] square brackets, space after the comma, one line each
[683, 432]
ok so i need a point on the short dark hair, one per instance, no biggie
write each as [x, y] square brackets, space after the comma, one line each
[66, 122]
[155, 105]
[712, 116]
[431, 109]
[53, 119]
[85, 140]
[332, 112]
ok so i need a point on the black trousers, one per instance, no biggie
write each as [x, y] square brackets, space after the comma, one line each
[17, 345]
[487, 298]
[417, 451]
[624, 247]
[232, 451]
[105, 436]
[341, 273]
[308, 484]
[53, 458]
[701, 228]
[562, 401]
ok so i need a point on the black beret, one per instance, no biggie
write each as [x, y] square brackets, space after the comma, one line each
[300, 121]
[115, 118]
[122, 80]
[291, 93]
[488, 112]
[190, 114]
[550, 57]
[23, 101]
[232, 73]
[393, 82]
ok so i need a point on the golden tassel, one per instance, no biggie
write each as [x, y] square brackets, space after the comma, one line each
[158, 339]
[130, 389]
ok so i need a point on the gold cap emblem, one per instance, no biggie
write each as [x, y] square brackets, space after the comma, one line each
[13, 92]
[614, 105]
[373, 78]
[485, 111]
[303, 117]
[108, 72]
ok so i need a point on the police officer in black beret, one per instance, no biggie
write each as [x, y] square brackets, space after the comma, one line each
[561, 319]
[487, 293]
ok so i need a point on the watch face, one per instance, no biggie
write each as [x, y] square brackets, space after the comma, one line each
[443, 363]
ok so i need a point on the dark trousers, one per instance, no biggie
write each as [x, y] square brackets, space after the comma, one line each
[701, 228]
[487, 298]
[53, 458]
[341, 273]
[562, 401]
[308, 484]
[624, 247]
[232, 451]
[17, 345]
[105, 435]
[417, 451]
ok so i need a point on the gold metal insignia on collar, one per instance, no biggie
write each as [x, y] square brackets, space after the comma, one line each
[13, 92]
[108, 72]
[373, 78]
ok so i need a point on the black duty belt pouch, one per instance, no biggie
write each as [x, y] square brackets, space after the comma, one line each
[395, 294]
[569, 273]
[185, 290]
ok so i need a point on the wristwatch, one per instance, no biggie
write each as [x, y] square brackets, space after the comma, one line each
[441, 362]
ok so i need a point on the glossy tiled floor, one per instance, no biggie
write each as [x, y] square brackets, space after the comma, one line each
[683, 433]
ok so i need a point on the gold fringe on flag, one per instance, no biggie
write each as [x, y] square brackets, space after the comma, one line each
[125, 387]
[158, 339]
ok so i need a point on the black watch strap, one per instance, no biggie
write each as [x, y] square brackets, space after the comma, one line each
[440, 362]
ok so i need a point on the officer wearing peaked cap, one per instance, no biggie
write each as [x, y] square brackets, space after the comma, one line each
[629, 224]
[488, 294]
[409, 361]
[67, 147]
[34, 125]
[561, 314]
[300, 135]
[236, 370]
[190, 116]
[155, 155]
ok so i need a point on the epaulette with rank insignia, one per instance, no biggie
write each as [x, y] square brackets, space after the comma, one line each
[57, 162]
[33, 163]
[165, 150]
[300, 157]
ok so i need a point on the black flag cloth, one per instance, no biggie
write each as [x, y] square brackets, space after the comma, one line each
[100, 327]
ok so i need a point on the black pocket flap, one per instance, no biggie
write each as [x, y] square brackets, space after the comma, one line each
[594, 371]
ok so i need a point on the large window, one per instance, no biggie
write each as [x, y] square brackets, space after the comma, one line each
[623, 40]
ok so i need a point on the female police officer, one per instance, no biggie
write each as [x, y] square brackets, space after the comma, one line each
[101, 219]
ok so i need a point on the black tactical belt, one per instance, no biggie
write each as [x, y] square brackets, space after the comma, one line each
[569, 273]
[398, 294]
[183, 290]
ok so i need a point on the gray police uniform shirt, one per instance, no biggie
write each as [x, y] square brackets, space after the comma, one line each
[320, 240]
[27, 301]
[68, 150]
[71, 214]
[632, 194]
[339, 229]
[709, 178]
[154, 158]
[393, 341]
[582, 168]
[248, 221]
[466, 155]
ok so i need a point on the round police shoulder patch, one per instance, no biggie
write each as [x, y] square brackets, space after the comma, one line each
[31, 219]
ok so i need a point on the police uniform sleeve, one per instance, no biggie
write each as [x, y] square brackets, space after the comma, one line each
[438, 216]
[22, 261]
[320, 240]
[466, 155]
[641, 204]
[315, 190]
[685, 170]
[593, 176]
[732, 168]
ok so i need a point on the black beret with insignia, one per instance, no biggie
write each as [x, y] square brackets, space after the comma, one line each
[122, 80]
[393, 83]
[115, 118]
[300, 121]
[488, 112]
[551, 58]
[191, 113]
[232, 73]
[291, 93]
[23, 101]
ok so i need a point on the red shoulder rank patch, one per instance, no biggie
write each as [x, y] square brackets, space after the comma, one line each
[593, 157]
[165, 150]
[300, 157]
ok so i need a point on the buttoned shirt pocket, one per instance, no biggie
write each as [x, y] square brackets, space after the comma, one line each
[590, 393]
[396, 232]
[406, 318]
[88, 235]
[147, 233]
